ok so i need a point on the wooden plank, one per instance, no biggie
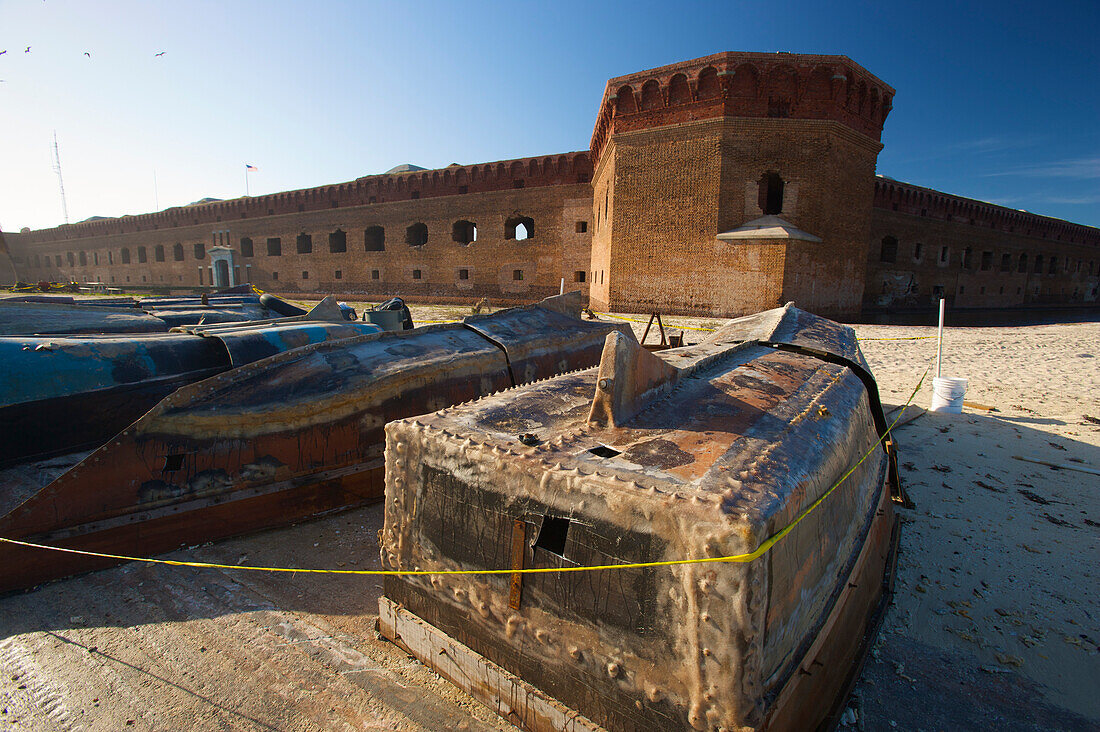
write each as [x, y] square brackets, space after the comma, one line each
[508, 695]
[1058, 466]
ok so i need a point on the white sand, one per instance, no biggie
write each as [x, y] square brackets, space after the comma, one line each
[1000, 558]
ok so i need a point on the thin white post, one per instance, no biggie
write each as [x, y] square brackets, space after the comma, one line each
[939, 340]
[562, 290]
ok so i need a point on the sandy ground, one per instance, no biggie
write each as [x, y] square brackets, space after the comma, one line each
[995, 622]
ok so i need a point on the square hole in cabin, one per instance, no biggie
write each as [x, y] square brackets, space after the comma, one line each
[552, 535]
[172, 463]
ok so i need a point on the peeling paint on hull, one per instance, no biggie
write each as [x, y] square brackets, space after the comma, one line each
[704, 451]
[281, 439]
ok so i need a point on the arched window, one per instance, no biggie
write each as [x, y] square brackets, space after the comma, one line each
[519, 228]
[1053, 265]
[965, 262]
[416, 235]
[200, 251]
[177, 252]
[274, 247]
[746, 81]
[678, 90]
[771, 194]
[304, 243]
[374, 239]
[708, 83]
[1038, 263]
[247, 248]
[820, 84]
[1023, 263]
[624, 100]
[1006, 262]
[124, 254]
[889, 250]
[464, 232]
[337, 242]
[158, 253]
[143, 257]
[651, 95]
[83, 259]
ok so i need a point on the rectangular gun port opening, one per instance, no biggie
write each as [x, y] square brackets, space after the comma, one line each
[552, 535]
[604, 451]
[172, 463]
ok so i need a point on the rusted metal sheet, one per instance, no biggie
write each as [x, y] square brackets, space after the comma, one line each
[271, 442]
[56, 315]
[519, 538]
[19, 318]
[699, 452]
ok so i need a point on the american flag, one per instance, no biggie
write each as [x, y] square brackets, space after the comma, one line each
[250, 167]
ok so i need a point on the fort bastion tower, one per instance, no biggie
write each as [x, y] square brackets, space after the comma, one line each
[735, 182]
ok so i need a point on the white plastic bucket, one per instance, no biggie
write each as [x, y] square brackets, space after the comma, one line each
[947, 394]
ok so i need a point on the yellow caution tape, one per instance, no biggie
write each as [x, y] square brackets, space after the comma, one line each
[902, 338]
[670, 326]
[760, 550]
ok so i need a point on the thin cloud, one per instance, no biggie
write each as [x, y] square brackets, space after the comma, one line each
[1073, 200]
[1079, 169]
[992, 144]
[981, 146]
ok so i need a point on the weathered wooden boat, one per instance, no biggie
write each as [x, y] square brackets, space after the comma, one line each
[694, 454]
[287, 437]
[64, 393]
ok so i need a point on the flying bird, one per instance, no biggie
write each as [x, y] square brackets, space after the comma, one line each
[87, 54]
[3, 52]
[28, 50]
[159, 54]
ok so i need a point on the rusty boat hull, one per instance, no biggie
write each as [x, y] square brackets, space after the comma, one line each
[280, 439]
[696, 453]
[63, 393]
[66, 315]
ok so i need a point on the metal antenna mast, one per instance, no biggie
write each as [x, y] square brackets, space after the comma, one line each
[60, 182]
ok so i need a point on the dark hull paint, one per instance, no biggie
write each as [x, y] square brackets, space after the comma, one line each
[300, 433]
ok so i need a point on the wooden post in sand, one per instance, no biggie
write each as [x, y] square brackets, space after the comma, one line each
[939, 340]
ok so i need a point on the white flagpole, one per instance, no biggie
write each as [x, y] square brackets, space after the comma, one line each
[246, 193]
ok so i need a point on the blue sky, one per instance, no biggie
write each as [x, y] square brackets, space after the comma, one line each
[995, 100]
